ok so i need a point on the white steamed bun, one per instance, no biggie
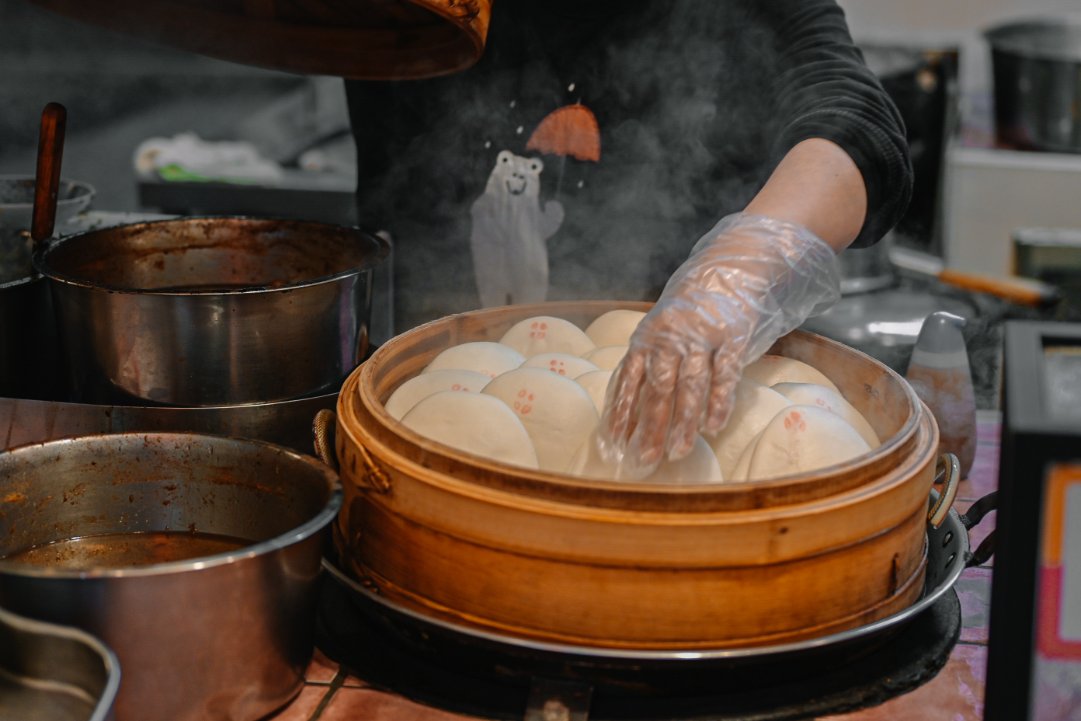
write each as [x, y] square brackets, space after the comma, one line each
[556, 412]
[474, 423]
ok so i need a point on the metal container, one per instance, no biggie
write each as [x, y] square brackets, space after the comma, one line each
[287, 423]
[29, 355]
[223, 635]
[1036, 65]
[211, 310]
[54, 673]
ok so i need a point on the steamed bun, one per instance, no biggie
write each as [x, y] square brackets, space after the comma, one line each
[699, 466]
[812, 394]
[801, 439]
[606, 357]
[557, 412]
[771, 369]
[614, 327]
[485, 357]
[492, 429]
[562, 364]
[596, 385]
[421, 386]
[754, 406]
[547, 334]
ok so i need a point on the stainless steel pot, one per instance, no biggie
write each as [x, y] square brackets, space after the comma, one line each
[1036, 65]
[286, 423]
[211, 310]
[225, 635]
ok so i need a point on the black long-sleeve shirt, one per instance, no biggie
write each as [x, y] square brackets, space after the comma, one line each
[695, 102]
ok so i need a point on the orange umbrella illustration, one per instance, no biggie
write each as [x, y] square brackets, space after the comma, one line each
[571, 130]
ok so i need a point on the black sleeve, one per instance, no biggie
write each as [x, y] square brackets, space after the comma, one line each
[371, 107]
[825, 90]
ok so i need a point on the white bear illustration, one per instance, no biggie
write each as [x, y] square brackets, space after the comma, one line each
[510, 257]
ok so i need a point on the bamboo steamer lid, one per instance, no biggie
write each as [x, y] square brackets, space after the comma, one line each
[367, 39]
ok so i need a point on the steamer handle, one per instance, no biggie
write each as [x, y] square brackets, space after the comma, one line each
[970, 519]
[948, 471]
[323, 437]
[323, 440]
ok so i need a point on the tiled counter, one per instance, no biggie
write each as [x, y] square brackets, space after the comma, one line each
[331, 693]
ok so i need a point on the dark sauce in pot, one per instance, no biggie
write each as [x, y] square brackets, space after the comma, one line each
[126, 550]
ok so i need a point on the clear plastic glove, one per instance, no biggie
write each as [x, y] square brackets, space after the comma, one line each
[747, 282]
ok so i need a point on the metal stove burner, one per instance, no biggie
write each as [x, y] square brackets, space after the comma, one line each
[467, 674]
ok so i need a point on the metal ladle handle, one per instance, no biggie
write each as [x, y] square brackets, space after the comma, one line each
[47, 183]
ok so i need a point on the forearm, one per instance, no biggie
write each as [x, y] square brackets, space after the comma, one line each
[823, 91]
[816, 185]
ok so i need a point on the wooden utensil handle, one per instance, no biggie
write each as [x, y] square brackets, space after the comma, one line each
[1025, 291]
[50, 152]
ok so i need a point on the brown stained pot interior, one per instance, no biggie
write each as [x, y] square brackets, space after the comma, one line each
[210, 254]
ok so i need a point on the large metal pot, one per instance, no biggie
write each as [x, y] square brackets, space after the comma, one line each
[1036, 65]
[211, 310]
[225, 635]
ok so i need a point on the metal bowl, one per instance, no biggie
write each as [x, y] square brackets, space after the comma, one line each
[222, 634]
[211, 310]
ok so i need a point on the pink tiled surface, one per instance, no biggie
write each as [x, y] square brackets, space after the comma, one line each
[955, 694]
[305, 706]
[351, 704]
[321, 669]
[974, 592]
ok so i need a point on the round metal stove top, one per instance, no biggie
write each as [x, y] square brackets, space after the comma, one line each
[455, 672]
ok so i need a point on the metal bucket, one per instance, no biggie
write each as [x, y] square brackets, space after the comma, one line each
[29, 351]
[211, 310]
[1036, 65]
[221, 635]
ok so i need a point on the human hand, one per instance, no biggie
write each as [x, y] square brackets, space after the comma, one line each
[747, 282]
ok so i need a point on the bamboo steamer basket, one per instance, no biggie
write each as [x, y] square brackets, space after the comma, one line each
[556, 558]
